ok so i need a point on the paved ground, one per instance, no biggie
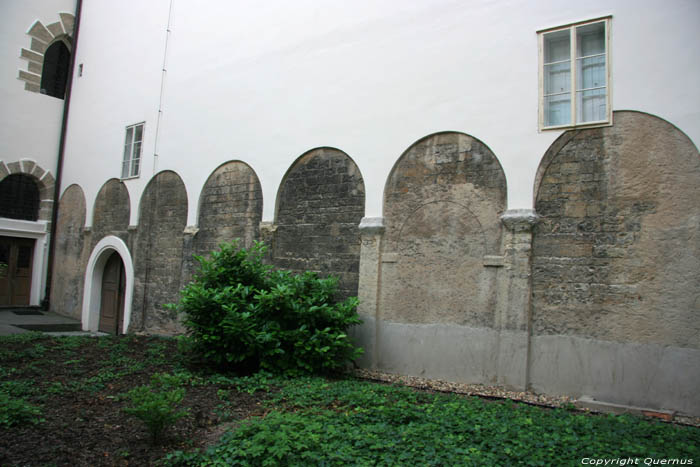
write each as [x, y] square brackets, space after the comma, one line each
[19, 320]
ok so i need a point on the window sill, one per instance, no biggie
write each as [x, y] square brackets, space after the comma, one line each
[579, 126]
[130, 178]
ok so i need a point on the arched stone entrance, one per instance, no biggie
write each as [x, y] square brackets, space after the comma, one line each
[109, 259]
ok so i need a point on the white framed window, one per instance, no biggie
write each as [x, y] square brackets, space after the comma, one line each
[575, 75]
[131, 166]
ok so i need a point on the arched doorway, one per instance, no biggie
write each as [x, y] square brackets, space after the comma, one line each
[112, 297]
[97, 267]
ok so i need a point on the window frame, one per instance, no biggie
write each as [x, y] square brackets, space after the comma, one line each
[131, 159]
[571, 28]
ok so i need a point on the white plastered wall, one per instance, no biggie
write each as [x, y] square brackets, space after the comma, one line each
[264, 83]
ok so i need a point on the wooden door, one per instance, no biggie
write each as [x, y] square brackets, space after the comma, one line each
[16, 259]
[112, 304]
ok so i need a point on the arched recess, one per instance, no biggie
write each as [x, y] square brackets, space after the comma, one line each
[158, 252]
[230, 206]
[93, 282]
[48, 56]
[67, 287]
[616, 258]
[111, 211]
[320, 204]
[43, 178]
[437, 301]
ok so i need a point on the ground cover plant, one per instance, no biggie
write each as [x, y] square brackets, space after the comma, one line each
[244, 315]
[79, 387]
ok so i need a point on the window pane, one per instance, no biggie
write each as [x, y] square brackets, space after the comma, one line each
[137, 151]
[125, 169]
[557, 110]
[127, 152]
[591, 106]
[129, 135]
[557, 78]
[135, 167]
[139, 133]
[557, 46]
[590, 39]
[590, 72]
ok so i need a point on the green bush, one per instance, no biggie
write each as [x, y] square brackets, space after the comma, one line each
[17, 412]
[156, 404]
[244, 315]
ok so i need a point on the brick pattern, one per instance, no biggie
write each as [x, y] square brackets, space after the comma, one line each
[111, 212]
[320, 205]
[613, 256]
[230, 207]
[68, 276]
[441, 207]
[158, 254]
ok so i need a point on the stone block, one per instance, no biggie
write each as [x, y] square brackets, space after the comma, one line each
[39, 31]
[38, 46]
[68, 21]
[56, 29]
[29, 77]
[33, 56]
[35, 68]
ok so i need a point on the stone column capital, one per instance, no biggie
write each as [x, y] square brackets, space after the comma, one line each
[520, 220]
[371, 226]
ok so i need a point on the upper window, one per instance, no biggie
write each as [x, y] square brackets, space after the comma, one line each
[575, 75]
[54, 73]
[132, 151]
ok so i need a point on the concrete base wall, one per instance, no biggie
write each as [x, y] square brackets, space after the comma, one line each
[644, 375]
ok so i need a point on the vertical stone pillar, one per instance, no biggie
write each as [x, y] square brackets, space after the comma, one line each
[365, 335]
[267, 236]
[515, 290]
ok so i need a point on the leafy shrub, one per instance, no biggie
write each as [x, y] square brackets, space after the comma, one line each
[244, 315]
[17, 412]
[156, 404]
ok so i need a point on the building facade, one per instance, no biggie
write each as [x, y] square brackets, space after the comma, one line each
[509, 187]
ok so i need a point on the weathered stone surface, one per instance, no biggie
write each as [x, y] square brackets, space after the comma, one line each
[230, 207]
[319, 206]
[33, 56]
[617, 254]
[38, 46]
[40, 32]
[56, 28]
[35, 68]
[442, 204]
[158, 254]
[68, 274]
[68, 21]
[111, 212]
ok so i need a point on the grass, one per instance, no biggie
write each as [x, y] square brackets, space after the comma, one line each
[304, 421]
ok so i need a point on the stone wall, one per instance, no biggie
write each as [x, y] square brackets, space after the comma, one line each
[69, 265]
[615, 264]
[111, 212]
[319, 206]
[158, 254]
[442, 204]
[230, 207]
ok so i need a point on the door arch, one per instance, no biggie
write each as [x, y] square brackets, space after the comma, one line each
[94, 276]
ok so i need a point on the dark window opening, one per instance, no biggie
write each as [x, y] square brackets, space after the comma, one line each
[19, 198]
[54, 75]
